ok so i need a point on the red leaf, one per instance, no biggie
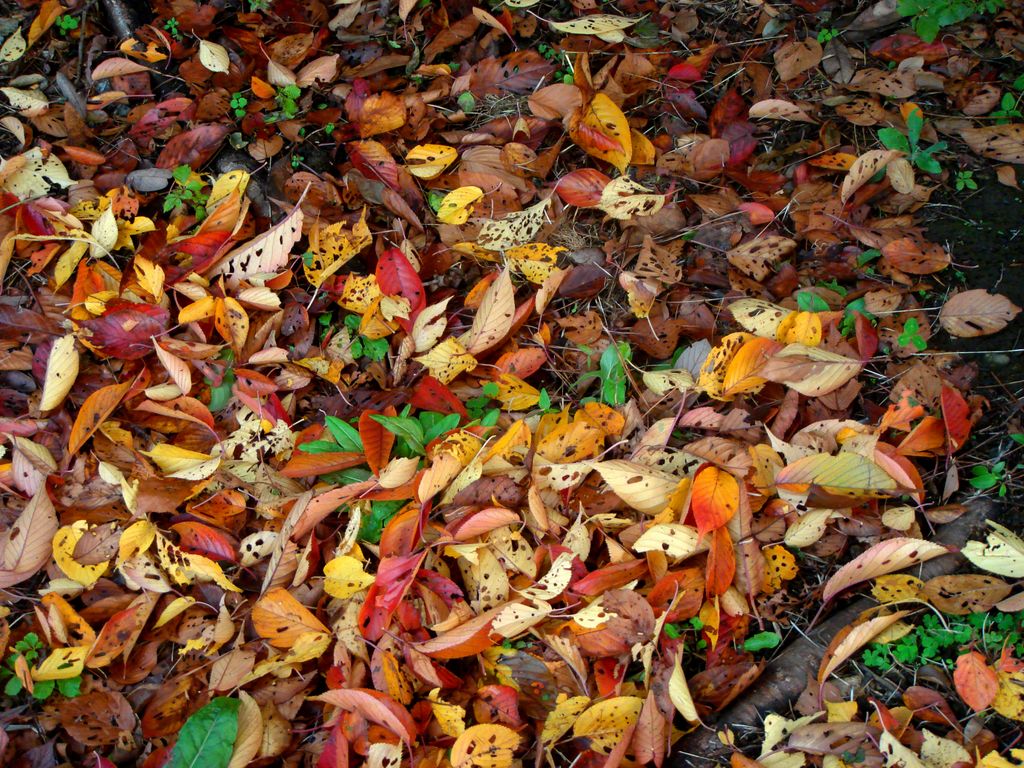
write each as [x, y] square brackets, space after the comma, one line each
[372, 159]
[429, 394]
[582, 188]
[610, 577]
[394, 577]
[125, 329]
[396, 276]
[956, 415]
[206, 541]
[377, 441]
[867, 337]
[975, 681]
[193, 147]
[685, 71]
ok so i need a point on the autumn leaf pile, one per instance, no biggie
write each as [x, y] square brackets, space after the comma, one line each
[453, 385]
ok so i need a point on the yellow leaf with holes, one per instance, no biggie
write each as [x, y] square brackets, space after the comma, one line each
[185, 568]
[713, 372]
[534, 261]
[64, 543]
[606, 26]
[894, 587]
[561, 719]
[642, 487]
[485, 746]
[457, 205]
[345, 577]
[428, 161]
[359, 293]
[447, 360]
[450, 717]
[62, 664]
[780, 567]
[605, 723]
[332, 247]
[232, 322]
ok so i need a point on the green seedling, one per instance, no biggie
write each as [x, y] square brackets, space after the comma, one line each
[31, 649]
[187, 192]
[910, 145]
[911, 335]
[928, 17]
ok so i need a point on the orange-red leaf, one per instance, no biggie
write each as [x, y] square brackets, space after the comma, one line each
[94, 411]
[975, 681]
[715, 498]
[377, 441]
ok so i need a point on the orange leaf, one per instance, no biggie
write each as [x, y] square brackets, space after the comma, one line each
[468, 639]
[377, 441]
[721, 563]
[374, 706]
[975, 681]
[281, 619]
[94, 411]
[715, 498]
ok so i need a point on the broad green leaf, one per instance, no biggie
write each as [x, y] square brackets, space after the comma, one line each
[208, 737]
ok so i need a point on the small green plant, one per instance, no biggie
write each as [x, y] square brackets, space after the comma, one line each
[171, 25]
[238, 104]
[985, 478]
[30, 648]
[563, 71]
[612, 373]
[965, 180]
[297, 160]
[939, 641]
[287, 99]
[66, 24]
[929, 16]
[373, 350]
[922, 157]
[849, 322]
[1008, 108]
[911, 335]
[827, 35]
[187, 191]
[329, 129]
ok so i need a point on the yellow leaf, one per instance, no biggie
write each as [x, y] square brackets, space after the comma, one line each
[643, 488]
[202, 309]
[359, 293]
[150, 276]
[800, 328]
[780, 567]
[674, 540]
[232, 322]
[457, 205]
[679, 693]
[485, 746]
[332, 247]
[225, 185]
[250, 732]
[493, 318]
[428, 161]
[176, 607]
[1009, 700]
[811, 371]
[515, 229]
[515, 394]
[184, 568]
[213, 56]
[602, 116]
[447, 360]
[137, 537]
[1003, 553]
[104, 233]
[61, 372]
[603, 25]
[535, 261]
[182, 463]
[894, 587]
[605, 723]
[561, 719]
[450, 717]
[14, 46]
[62, 664]
[64, 543]
[345, 577]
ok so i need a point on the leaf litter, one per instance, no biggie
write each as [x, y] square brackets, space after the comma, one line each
[450, 386]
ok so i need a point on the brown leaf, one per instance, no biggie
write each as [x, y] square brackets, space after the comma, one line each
[795, 58]
[1004, 143]
[977, 313]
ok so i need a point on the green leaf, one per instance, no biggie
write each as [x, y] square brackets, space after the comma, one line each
[915, 123]
[320, 446]
[70, 687]
[927, 27]
[436, 424]
[345, 435]
[208, 737]
[893, 139]
[762, 641]
[403, 426]
[380, 515]
[42, 690]
[466, 101]
[928, 164]
[13, 687]
[810, 302]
